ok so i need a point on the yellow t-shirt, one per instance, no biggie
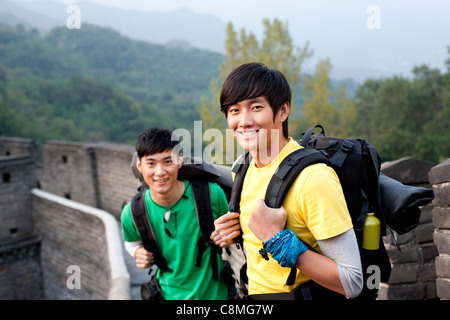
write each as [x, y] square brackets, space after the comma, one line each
[316, 209]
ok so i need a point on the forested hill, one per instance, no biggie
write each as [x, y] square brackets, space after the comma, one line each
[95, 84]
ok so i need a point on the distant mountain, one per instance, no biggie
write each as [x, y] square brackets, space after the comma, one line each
[202, 31]
[13, 13]
[339, 32]
[97, 84]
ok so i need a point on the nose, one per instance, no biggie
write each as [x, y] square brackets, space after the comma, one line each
[246, 119]
[160, 170]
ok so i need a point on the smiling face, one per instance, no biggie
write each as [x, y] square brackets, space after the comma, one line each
[160, 172]
[256, 129]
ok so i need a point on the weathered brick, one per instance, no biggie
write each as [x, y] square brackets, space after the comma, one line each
[441, 217]
[440, 173]
[424, 232]
[442, 241]
[443, 266]
[414, 291]
[409, 253]
[408, 170]
[426, 272]
[428, 252]
[442, 194]
[426, 213]
[404, 273]
[443, 288]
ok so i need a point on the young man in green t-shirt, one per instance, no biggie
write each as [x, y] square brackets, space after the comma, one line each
[172, 214]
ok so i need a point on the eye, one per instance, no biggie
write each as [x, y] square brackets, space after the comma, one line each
[232, 110]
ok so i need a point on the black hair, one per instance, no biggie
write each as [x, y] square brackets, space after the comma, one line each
[252, 80]
[155, 140]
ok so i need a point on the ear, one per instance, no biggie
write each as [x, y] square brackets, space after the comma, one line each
[180, 160]
[138, 164]
[284, 111]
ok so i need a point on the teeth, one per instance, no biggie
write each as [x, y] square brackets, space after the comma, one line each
[247, 133]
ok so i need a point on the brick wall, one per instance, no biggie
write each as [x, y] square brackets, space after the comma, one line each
[13, 146]
[20, 270]
[69, 171]
[17, 178]
[77, 235]
[42, 235]
[117, 185]
[95, 174]
[413, 275]
[440, 179]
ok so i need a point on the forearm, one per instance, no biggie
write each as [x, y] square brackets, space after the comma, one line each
[339, 268]
[343, 249]
[321, 269]
[131, 247]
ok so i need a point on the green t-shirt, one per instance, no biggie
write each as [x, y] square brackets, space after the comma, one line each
[186, 282]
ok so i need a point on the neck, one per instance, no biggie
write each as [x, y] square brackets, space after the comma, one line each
[266, 156]
[169, 198]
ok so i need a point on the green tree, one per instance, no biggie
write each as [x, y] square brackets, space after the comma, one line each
[322, 106]
[406, 117]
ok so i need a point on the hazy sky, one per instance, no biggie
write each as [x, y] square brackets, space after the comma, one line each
[407, 33]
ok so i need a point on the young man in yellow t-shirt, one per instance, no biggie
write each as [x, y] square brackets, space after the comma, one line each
[256, 102]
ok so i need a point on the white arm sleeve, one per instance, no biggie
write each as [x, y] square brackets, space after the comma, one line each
[132, 246]
[343, 249]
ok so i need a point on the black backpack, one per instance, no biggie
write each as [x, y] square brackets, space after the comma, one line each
[199, 174]
[357, 164]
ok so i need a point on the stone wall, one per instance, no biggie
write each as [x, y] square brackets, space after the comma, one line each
[117, 185]
[413, 275]
[20, 269]
[440, 179]
[13, 146]
[69, 171]
[42, 234]
[95, 174]
[76, 236]
[17, 178]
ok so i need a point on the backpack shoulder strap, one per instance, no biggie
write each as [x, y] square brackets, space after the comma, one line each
[287, 172]
[142, 222]
[205, 218]
[239, 169]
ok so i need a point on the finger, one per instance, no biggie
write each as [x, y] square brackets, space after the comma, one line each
[225, 217]
[223, 232]
[230, 236]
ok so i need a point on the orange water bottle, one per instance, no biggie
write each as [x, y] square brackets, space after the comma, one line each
[371, 233]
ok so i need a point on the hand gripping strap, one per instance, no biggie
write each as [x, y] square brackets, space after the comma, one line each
[141, 221]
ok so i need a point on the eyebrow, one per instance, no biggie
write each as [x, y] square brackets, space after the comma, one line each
[251, 101]
[153, 159]
[256, 100]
